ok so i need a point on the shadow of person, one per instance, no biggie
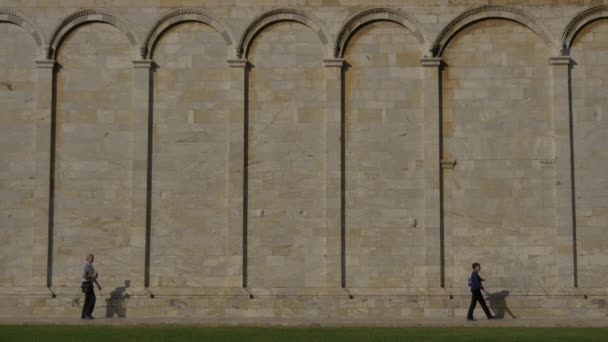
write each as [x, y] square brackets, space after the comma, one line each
[498, 304]
[116, 305]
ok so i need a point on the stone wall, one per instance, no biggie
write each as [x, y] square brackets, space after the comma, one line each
[92, 194]
[190, 160]
[384, 159]
[589, 133]
[303, 160]
[17, 155]
[499, 203]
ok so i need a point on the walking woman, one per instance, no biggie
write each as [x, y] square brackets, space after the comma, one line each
[476, 296]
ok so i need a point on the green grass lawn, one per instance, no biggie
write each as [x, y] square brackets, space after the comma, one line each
[228, 334]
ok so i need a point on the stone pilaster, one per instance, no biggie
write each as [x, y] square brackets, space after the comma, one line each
[562, 125]
[237, 172]
[42, 234]
[432, 172]
[334, 154]
[141, 177]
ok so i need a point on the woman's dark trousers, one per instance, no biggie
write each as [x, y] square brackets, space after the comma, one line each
[477, 297]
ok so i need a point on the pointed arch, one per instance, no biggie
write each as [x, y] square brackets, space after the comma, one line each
[276, 15]
[19, 19]
[85, 16]
[375, 14]
[183, 15]
[579, 21]
[483, 13]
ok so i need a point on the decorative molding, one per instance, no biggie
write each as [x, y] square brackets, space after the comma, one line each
[448, 164]
[279, 14]
[431, 62]
[181, 15]
[88, 15]
[487, 12]
[26, 23]
[373, 14]
[334, 63]
[578, 22]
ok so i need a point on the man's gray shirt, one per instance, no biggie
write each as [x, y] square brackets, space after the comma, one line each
[87, 269]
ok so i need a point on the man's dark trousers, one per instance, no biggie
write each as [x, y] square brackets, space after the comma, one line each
[89, 300]
[477, 297]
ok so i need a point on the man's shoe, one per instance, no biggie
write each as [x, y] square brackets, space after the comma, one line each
[491, 317]
[90, 317]
[471, 319]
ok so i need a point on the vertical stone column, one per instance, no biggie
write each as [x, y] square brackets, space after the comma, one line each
[141, 177]
[434, 239]
[42, 229]
[565, 220]
[335, 233]
[237, 171]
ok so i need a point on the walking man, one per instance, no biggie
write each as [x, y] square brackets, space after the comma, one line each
[89, 276]
[476, 288]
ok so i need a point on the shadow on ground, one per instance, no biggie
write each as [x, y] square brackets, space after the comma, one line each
[498, 304]
[116, 305]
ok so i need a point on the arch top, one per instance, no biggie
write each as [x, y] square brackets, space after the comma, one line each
[85, 16]
[182, 15]
[578, 22]
[276, 15]
[487, 12]
[19, 19]
[374, 14]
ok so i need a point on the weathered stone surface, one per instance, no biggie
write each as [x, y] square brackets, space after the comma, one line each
[286, 157]
[93, 154]
[384, 173]
[17, 155]
[303, 159]
[590, 108]
[497, 127]
[190, 160]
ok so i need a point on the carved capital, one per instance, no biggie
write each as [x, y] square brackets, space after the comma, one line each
[431, 62]
[238, 63]
[143, 64]
[333, 63]
[45, 64]
[560, 60]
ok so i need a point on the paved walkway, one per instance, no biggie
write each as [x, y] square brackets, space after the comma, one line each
[422, 322]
